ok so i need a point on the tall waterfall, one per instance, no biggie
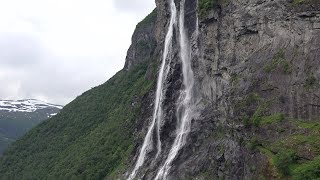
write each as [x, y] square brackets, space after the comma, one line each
[158, 112]
[185, 104]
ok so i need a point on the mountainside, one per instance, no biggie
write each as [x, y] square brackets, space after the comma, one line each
[17, 117]
[210, 90]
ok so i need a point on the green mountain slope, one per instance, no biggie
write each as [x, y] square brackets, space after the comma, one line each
[90, 138]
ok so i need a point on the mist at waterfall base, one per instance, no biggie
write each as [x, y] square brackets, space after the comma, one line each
[185, 103]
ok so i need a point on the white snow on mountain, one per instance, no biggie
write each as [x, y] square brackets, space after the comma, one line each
[27, 105]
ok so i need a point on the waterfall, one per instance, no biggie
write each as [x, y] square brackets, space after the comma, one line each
[186, 101]
[158, 112]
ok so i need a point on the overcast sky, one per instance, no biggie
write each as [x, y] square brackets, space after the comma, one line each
[54, 50]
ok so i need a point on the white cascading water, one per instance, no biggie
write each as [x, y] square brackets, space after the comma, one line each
[158, 112]
[185, 110]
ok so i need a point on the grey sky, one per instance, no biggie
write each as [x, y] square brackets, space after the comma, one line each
[54, 50]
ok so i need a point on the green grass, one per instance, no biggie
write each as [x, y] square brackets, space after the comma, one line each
[309, 170]
[311, 125]
[274, 118]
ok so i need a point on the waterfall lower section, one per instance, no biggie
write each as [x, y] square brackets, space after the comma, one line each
[158, 112]
[186, 102]
[185, 105]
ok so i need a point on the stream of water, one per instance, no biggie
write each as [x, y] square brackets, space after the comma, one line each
[186, 101]
[158, 112]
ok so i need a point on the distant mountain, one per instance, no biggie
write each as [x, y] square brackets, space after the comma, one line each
[17, 117]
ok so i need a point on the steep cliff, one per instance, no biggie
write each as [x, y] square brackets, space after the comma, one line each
[255, 65]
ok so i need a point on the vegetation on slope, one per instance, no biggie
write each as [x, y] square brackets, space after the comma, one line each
[295, 151]
[295, 155]
[204, 6]
[91, 137]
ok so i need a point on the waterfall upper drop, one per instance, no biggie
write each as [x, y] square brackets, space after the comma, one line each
[158, 112]
[186, 102]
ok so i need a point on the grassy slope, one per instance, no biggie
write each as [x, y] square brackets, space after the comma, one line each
[90, 138]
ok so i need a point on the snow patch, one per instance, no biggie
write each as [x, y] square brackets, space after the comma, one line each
[27, 105]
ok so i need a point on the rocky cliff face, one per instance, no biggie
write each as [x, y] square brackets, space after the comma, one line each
[256, 65]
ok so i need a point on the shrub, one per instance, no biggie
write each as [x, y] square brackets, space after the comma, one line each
[279, 60]
[246, 120]
[205, 6]
[253, 143]
[257, 117]
[287, 67]
[310, 81]
[310, 170]
[278, 117]
[235, 79]
[298, 2]
[283, 160]
[252, 98]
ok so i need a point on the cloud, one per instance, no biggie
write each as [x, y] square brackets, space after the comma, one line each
[19, 50]
[134, 6]
[54, 50]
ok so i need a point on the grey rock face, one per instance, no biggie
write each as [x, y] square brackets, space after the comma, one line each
[269, 48]
[143, 42]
